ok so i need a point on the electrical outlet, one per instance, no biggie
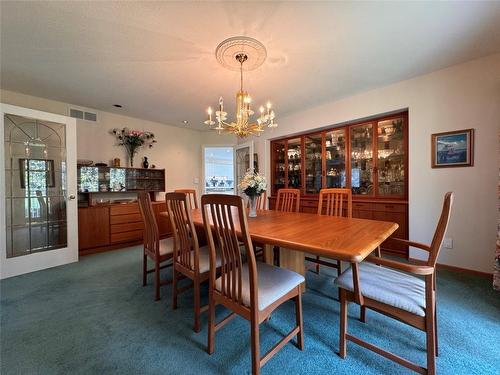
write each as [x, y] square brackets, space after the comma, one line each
[448, 243]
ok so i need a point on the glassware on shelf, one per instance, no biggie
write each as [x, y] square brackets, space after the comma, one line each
[279, 162]
[390, 157]
[294, 155]
[335, 158]
[362, 159]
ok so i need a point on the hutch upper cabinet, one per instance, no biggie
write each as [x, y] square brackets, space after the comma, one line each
[369, 157]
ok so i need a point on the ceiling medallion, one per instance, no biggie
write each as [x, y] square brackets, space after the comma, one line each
[242, 54]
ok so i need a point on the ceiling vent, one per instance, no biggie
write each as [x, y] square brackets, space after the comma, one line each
[82, 114]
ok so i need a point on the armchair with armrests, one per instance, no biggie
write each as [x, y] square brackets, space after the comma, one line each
[378, 284]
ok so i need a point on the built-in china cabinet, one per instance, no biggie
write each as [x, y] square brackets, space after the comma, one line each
[370, 157]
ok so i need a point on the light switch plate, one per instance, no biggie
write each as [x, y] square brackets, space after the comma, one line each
[448, 243]
[196, 180]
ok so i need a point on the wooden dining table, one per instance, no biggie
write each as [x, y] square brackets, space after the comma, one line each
[346, 239]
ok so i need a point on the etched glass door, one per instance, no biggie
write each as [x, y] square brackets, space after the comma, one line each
[391, 157]
[362, 159]
[39, 201]
[335, 145]
[243, 162]
[313, 163]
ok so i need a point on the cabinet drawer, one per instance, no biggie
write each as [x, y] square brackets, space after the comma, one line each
[126, 236]
[309, 203]
[389, 207]
[121, 219]
[124, 209]
[362, 206]
[126, 227]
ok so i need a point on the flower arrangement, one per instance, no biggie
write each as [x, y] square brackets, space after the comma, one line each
[253, 184]
[133, 140]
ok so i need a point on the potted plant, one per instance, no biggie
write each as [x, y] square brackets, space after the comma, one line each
[133, 140]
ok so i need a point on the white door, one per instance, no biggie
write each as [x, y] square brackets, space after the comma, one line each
[243, 161]
[38, 205]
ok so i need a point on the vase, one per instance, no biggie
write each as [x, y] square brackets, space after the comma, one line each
[145, 163]
[253, 206]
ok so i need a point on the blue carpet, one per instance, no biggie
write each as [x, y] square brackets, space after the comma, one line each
[94, 317]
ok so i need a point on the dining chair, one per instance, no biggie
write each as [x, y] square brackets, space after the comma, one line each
[191, 193]
[189, 258]
[288, 200]
[250, 289]
[379, 285]
[158, 250]
[333, 202]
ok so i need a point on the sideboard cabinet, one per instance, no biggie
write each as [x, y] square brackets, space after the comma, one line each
[370, 157]
[109, 226]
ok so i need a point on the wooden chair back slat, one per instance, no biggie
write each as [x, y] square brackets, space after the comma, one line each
[438, 237]
[288, 200]
[151, 233]
[221, 229]
[191, 193]
[185, 239]
[335, 199]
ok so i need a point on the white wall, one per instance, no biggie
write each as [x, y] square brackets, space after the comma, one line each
[178, 149]
[458, 97]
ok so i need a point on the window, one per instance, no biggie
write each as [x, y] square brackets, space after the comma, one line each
[219, 170]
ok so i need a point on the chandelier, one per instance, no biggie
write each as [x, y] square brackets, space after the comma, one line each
[233, 53]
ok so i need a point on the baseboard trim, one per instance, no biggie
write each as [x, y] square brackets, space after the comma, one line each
[457, 269]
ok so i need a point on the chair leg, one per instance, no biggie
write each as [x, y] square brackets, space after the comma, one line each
[317, 265]
[174, 288]
[157, 280]
[255, 346]
[436, 330]
[211, 323]
[339, 269]
[362, 316]
[343, 323]
[299, 321]
[431, 340]
[196, 291]
[144, 270]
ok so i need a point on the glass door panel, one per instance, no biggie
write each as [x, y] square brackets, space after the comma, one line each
[36, 190]
[335, 145]
[294, 155]
[313, 163]
[218, 165]
[391, 157]
[279, 172]
[362, 159]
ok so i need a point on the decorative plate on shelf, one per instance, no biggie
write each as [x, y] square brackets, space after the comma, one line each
[84, 162]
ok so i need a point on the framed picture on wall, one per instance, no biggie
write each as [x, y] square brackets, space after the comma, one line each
[453, 149]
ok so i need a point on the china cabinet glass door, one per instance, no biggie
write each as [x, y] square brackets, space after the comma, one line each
[335, 145]
[313, 163]
[294, 155]
[279, 172]
[362, 159]
[390, 157]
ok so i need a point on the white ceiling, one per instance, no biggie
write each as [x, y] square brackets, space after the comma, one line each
[157, 58]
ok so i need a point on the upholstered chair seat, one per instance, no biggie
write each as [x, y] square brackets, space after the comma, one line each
[273, 283]
[167, 246]
[388, 286]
